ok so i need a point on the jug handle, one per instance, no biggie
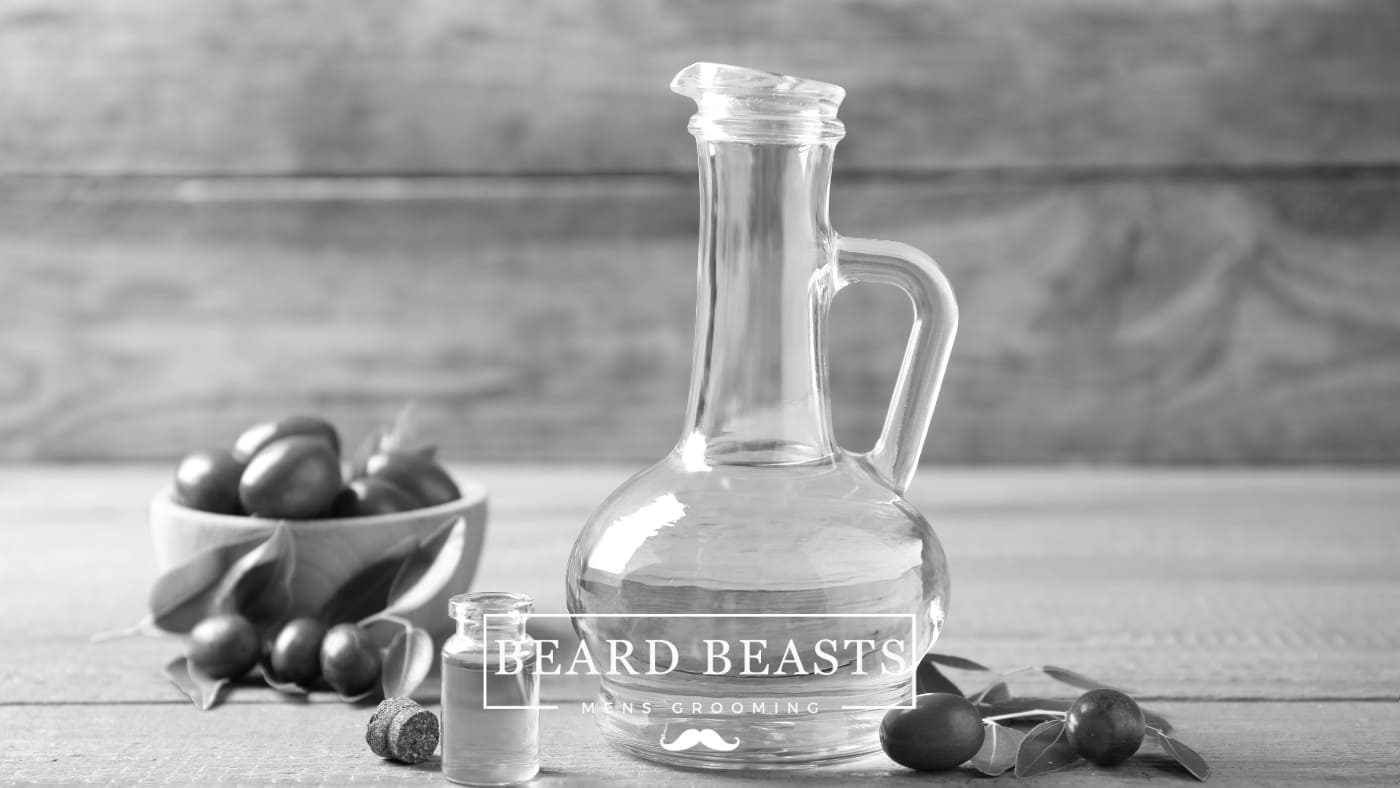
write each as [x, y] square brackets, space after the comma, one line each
[895, 456]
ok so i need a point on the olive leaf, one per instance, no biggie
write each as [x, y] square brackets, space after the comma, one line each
[259, 585]
[184, 595]
[367, 592]
[1045, 749]
[284, 687]
[366, 448]
[383, 630]
[1073, 679]
[1189, 759]
[201, 689]
[994, 693]
[404, 430]
[928, 678]
[366, 695]
[1156, 720]
[146, 626]
[427, 570]
[960, 663]
[407, 662]
[999, 748]
[1054, 709]
[399, 435]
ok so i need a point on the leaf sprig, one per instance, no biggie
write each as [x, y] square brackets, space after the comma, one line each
[252, 578]
[204, 691]
[999, 749]
[402, 434]
[1045, 747]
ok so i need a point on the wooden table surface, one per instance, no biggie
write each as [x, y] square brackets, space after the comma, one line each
[1259, 610]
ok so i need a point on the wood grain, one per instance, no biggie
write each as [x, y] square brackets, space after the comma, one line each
[1189, 587]
[1276, 744]
[1106, 320]
[434, 86]
[1175, 584]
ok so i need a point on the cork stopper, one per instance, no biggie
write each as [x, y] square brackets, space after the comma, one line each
[402, 731]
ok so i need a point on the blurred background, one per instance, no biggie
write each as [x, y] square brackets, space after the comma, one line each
[1174, 227]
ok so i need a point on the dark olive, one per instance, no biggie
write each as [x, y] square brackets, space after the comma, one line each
[296, 652]
[258, 436]
[292, 478]
[942, 731]
[415, 474]
[208, 481]
[1105, 726]
[223, 646]
[369, 497]
[350, 660]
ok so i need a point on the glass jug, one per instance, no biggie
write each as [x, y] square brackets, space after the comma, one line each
[767, 567]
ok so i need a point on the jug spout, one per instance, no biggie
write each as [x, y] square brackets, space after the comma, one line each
[699, 78]
[748, 105]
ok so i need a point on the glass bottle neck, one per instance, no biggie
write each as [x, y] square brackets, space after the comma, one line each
[758, 384]
[493, 631]
[492, 616]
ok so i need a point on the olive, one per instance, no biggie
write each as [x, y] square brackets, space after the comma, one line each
[296, 651]
[942, 731]
[415, 474]
[350, 660]
[223, 646]
[371, 496]
[208, 481]
[292, 478]
[256, 437]
[1105, 726]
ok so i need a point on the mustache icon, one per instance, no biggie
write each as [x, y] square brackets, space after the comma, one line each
[690, 737]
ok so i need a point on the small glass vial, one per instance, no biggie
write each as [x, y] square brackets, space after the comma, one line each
[490, 691]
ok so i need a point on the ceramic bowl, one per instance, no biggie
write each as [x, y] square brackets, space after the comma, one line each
[329, 552]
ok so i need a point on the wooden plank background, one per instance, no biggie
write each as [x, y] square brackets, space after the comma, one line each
[1174, 227]
[434, 86]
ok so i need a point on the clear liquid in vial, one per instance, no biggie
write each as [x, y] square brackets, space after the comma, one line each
[484, 746]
